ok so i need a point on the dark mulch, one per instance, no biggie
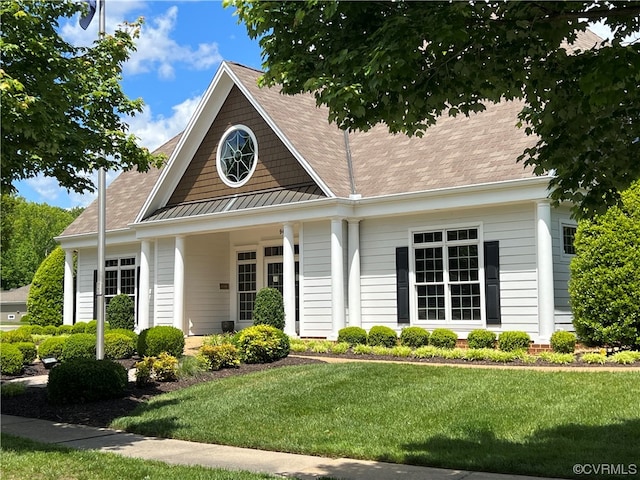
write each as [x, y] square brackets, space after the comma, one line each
[33, 403]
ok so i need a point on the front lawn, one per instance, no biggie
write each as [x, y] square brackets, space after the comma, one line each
[24, 459]
[511, 421]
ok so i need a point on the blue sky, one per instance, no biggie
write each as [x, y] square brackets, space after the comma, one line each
[179, 50]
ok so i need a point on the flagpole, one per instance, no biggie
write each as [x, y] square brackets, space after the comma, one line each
[100, 290]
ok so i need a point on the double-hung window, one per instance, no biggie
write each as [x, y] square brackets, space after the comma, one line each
[120, 278]
[447, 275]
[247, 284]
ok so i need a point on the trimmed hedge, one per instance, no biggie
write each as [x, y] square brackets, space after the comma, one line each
[29, 351]
[352, 336]
[21, 334]
[46, 296]
[563, 342]
[79, 327]
[11, 359]
[163, 338]
[262, 344]
[84, 380]
[121, 312]
[268, 308]
[481, 338]
[51, 347]
[118, 346]
[443, 338]
[414, 337]
[92, 327]
[513, 340]
[382, 336]
[79, 346]
[64, 330]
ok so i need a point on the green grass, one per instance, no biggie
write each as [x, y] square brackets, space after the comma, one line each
[24, 459]
[511, 421]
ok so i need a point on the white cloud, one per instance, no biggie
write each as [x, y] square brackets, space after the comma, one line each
[154, 131]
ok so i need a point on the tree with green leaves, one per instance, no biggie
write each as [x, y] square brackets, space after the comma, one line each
[45, 302]
[28, 231]
[405, 64]
[62, 105]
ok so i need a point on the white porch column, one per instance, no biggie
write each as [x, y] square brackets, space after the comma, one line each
[178, 284]
[289, 280]
[337, 278]
[355, 311]
[546, 305]
[67, 306]
[143, 294]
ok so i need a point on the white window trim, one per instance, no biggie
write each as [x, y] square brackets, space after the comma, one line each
[119, 269]
[565, 223]
[413, 296]
[219, 149]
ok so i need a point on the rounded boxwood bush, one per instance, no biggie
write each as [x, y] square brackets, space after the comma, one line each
[414, 337]
[382, 336]
[118, 346]
[268, 308]
[46, 296]
[129, 333]
[29, 351]
[604, 286]
[80, 345]
[481, 338]
[121, 312]
[79, 327]
[443, 338]
[563, 342]
[92, 327]
[86, 380]
[64, 330]
[514, 340]
[162, 338]
[262, 344]
[51, 330]
[36, 330]
[51, 347]
[18, 335]
[11, 359]
[352, 336]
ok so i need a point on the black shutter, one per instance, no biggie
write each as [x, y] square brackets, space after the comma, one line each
[137, 299]
[95, 294]
[402, 283]
[492, 281]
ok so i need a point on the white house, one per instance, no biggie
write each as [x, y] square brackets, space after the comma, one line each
[360, 229]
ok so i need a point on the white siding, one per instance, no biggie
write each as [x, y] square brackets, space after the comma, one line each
[315, 268]
[163, 282]
[207, 266]
[513, 226]
[561, 273]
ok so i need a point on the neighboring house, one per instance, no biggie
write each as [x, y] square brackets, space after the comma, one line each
[360, 229]
[13, 304]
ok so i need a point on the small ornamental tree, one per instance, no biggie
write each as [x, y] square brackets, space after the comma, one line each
[46, 297]
[121, 312]
[269, 308]
[605, 276]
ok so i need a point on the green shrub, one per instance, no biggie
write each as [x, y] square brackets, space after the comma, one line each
[218, 339]
[262, 344]
[362, 349]
[51, 347]
[36, 329]
[352, 336]
[402, 351]
[299, 346]
[11, 359]
[129, 333]
[118, 346]
[189, 366]
[64, 330]
[79, 346]
[380, 350]
[443, 338]
[79, 327]
[320, 346]
[220, 356]
[481, 338]
[563, 342]
[92, 327]
[268, 308]
[624, 358]
[452, 353]
[604, 286]
[414, 337]
[514, 340]
[475, 354]
[557, 357]
[593, 357]
[428, 351]
[383, 336]
[165, 368]
[12, 389]
[17, 336]
[155, 340]
[52, 330]
[28, 350]
[86, 380]
[46, 296]
[339, 348]
[144, 371]
[121, 312]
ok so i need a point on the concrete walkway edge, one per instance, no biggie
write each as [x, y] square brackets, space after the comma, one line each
[230, 458]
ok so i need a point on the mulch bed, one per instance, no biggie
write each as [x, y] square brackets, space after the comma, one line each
[33, 403]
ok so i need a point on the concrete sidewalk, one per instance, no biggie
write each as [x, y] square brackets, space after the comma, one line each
[230, 458]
